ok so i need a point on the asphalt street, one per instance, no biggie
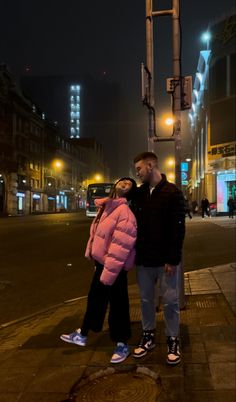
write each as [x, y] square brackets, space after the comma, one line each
[43, 264]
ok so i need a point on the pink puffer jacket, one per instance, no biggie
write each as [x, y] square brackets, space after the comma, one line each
[112, 240]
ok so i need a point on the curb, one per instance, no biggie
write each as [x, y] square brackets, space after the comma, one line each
[27, 317]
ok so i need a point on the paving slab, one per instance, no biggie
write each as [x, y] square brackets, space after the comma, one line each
[35, 365]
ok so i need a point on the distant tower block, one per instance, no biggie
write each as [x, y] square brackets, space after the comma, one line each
[75, 111]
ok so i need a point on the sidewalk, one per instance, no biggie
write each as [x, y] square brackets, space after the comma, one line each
[35, 365]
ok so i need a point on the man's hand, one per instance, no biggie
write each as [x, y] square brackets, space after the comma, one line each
[170, 269]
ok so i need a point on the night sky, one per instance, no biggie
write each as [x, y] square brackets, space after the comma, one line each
[103, 38]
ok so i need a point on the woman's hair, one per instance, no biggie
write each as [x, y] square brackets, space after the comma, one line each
[129, 195]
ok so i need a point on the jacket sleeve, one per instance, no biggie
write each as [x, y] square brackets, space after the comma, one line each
[177, 228]
[122, 242]
[90, 241]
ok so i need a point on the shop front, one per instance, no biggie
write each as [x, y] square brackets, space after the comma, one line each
[20, 202]
[226, 187]
[36, 199]
[61, 202]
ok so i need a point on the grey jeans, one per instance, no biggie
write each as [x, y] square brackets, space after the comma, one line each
[147, 278]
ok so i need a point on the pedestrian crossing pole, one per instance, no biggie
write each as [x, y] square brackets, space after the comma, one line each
[176, 111]
[150, 75]
[148, 98]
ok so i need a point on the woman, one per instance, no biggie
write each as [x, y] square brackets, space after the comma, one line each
[111, 246]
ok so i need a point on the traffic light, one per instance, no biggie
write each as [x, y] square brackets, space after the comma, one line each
[186, 90]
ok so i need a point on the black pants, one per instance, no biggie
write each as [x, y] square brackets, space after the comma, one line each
[205, 211]
[116, 296]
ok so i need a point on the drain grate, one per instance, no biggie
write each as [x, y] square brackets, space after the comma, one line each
[205, 301]
[119, 387]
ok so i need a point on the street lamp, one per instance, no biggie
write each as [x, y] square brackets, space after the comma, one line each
[169, 121]
[98, 177]
[206, 37]
[57, 164]
[171, 177]
[171, 162]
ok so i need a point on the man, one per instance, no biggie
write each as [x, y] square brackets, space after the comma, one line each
[161, 227]
[205, 206]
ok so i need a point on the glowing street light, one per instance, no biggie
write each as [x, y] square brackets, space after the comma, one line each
[170, 162]
[58, 164]
[169, 121]
[206, 38]
[98, 177]
[171, 177]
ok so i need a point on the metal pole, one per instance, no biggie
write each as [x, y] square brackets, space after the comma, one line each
[176, 107]
[149, 62]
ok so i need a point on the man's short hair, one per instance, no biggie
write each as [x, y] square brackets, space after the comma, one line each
[146, 156]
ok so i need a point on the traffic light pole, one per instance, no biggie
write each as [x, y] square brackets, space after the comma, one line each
[176, 106]
[176, 98]
[177, 80]
[149, 61]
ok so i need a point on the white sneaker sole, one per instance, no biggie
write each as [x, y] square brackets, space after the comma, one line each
[173, 363]
[144, 352]
[120, 360]
[71, 341]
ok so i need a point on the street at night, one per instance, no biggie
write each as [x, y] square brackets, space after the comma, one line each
[43, 263]
[118, 160]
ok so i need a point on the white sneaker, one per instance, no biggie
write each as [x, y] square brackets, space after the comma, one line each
[120, 353]
[75, 337]
[173, 352]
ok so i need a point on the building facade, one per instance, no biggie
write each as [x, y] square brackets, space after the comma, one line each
[213, 118]
[74, 96]
[86, 107]
[41, 170]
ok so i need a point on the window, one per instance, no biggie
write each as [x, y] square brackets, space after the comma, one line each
[232, 74]
[218, 79]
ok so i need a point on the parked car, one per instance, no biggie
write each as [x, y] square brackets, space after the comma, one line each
[213, 208]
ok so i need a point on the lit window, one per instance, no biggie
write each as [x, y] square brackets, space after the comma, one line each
[78, 87]
[72, 87]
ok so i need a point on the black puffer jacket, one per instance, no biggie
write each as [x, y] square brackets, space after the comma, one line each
[161, 224]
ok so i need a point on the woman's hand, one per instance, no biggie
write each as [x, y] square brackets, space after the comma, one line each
[170, 269]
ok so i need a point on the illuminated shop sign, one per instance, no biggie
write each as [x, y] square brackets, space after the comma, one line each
[221, 151]
[36, 197]
[184, 173]
[20, 195]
